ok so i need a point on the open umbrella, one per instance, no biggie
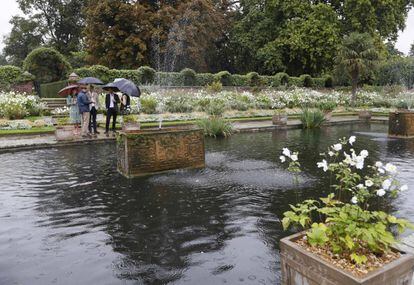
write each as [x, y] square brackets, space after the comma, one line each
[128, 87]
[67, 90]
[90, 80]
[110, 86]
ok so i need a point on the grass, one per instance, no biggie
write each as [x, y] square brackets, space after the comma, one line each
[312, 118]
[31, 131]
[216, 127]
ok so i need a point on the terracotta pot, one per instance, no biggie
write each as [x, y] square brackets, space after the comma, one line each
[280, 119]
[365, 115]
[131, 127]
[401, 124]
[65, 133]
[302, 267]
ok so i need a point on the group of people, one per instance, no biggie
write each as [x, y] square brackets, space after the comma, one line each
[84, 106]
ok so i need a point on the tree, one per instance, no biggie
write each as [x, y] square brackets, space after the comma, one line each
[411, 53]
[356, 55]
[25, 36]
[47, 65]
[61, 21]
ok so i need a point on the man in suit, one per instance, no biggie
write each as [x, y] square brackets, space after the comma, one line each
[111, 103]
[83, 104]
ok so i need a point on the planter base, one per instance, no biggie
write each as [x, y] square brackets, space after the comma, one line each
[65, 133]
[300, 267]
[148, 152]
[401, 124]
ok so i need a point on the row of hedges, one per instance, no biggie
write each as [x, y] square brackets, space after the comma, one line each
[187, 77]
[50, 90]
[11, 75]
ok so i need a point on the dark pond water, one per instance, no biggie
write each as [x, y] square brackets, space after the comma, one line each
[67, 216]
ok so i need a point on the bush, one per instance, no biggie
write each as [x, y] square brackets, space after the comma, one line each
[282, 78]
[50, 90]
[215, 107]
[312, 118]
[319, 82]
[189, 76]
[224, 77]
[306, 80]
[253, 79]
[148, 104]
[239, 80]
[329, 82]
[17, 106]
[295, 81]
[9, 74]
[169, 79]
[101, 72]
[146, 74]
[203, 79]
[216, 127]
[215, 87]
[179, 104]
[47, 65]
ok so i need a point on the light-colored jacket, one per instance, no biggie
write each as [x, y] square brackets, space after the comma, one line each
[94, 97]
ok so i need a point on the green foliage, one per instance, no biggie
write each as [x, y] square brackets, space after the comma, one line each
[9, 75]
[179, 104]
[328, 81]
[396, 71]
[148, 104]
[216, 127]
[224, 77]
[50, 90]
[253, 79]
[213, 106]
[203, 79]
[47, 64]
[189, 76]
[327, 106]
[283, 78]
[312, 118]
[214, 87]
[146, 74]
[307, 80]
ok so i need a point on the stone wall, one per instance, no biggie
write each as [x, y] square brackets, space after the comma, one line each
[151, 151]
[401, 124]
[26, 87]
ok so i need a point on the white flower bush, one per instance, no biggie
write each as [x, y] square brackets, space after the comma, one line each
[19, 105]
[61, 111]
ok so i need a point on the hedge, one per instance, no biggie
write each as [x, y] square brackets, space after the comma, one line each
[50, 90]
[10, 75]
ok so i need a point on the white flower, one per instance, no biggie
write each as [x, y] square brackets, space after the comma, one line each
[378, 164]
[351, 140]
[404, 188]
[294, 157]
[386, 184]
[337, 147]
[391, 168]
[360, 186]
[323, 164]
[359, 162]
[286, 152]
[354, 200]
[369, 183]
[364, 153]
[381, 192]
[282, 158]
[331, 153]
[380, 170]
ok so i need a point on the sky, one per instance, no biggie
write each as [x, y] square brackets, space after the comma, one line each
[10, 8]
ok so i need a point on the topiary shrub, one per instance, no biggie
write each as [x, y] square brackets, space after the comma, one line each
[47, 65]
[295, 81]
[204, 79]
[329, 82]
[307, 80]
[189, 77]
[224, 77]
[239, 80]
[146, 74]
[101, 72]
[282, 78]
[253, 79]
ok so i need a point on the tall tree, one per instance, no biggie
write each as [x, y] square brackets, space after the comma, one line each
[411, 52]
[62, 21]
[24, 37]
[357, 55]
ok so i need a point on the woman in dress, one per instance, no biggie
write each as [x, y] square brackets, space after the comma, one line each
[74, 110]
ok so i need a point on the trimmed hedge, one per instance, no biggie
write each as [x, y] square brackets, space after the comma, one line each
[188, 77]
[50, 90]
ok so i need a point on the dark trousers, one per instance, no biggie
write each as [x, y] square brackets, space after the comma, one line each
[92, 120]
[111, 113]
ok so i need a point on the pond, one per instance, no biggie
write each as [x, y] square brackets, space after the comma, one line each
[67, 216]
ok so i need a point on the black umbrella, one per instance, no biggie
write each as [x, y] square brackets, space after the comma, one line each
[90, 80]
[110, 86]
[128, 87]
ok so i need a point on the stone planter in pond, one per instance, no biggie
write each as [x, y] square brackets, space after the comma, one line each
[401, 124]
[365, 115]
[328, 115]
[301, 267]
[131, 127]
[65, 133]
[279, 119]
[152, 151]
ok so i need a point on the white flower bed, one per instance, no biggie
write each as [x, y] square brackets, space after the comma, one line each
[19, 105]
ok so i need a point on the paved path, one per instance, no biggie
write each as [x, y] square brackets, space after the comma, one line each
[23, 142]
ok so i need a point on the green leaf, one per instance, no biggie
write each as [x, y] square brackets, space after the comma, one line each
[358, 259]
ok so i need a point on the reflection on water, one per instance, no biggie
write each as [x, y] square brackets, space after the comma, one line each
[67, 216]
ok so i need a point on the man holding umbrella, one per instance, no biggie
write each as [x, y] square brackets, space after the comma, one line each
[111, 104]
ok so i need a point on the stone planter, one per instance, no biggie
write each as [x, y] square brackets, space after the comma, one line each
[65, 133]
[301, 267]
[131, 127]
[328, 115]
[280, 119]
[365, 115]
[401, 124]
[152, 151]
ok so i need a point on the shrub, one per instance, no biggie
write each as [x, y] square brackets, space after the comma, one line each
[17, 106]
[239, 80]
[179, 104]
[101, 72]
[329, 82]
[224, 77]
[148, 104]
[215, 107]
[253, 79]
[312, 118]
[169, 78]
[216, 127]
[306, 80]
[282, 78]
[189, 76]
[203, 79]
[215, 87]
[295, 81]
[50, 90]
[326, 106]
[47, 65]
[9, 74]
[146, 74]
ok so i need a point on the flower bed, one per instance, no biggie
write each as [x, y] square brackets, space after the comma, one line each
[19, 105]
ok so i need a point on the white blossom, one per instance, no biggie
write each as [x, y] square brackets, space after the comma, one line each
[354, 200]
[364, 153]
[286, 152]
[294, 157]
[323, 164]
[360, 186]
[378, 164]
[282, 158]
[331, 153]
[386, 184]
[381, 192]
[337, 147]
[351, 140]
[369, 183]
[391, 168]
